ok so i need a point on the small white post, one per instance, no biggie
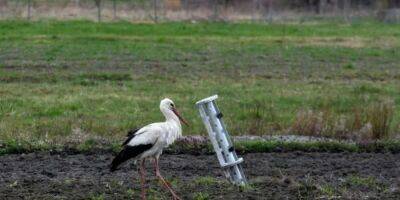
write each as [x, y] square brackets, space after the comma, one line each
[221, 141]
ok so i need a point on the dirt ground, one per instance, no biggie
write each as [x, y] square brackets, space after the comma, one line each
[293, 175]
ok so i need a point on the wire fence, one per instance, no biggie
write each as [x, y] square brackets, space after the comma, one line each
[215, 10]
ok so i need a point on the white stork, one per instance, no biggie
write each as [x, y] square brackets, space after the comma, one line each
[149, 142]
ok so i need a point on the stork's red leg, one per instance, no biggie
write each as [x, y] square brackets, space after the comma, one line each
[164, 182]
[143, 179]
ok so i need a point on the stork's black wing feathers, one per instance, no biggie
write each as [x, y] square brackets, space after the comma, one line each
[132, 132]
[130, 135]
[128, 152]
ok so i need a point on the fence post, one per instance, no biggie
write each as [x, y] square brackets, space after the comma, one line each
[321, 6]
[115, 9]
[346, 9]
[189, 9]
[155, 9]
[336, 7]
[215, 10]
[29, 9]
[186, 8]
[254, 11]
[270, 11]
[98, 5]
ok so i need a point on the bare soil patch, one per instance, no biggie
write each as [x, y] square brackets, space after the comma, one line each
[294, 175]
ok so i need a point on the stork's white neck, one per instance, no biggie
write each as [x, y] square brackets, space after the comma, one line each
[170, 116]
[173, 124]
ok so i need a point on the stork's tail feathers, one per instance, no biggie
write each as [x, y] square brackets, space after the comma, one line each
[127, 153]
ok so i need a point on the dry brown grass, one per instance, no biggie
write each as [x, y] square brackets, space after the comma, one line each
[380, 116]
[371, 122]
[350, 42]
[312, 123]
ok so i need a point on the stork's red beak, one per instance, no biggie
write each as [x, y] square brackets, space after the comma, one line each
[179, 116]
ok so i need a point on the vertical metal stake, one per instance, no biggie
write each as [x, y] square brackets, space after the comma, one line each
[221, 141]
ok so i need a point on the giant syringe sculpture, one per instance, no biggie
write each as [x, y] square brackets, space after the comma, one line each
[221, 141]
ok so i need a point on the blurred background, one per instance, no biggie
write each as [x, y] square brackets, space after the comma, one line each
[302, 76]
[177, 10]
[88, 70]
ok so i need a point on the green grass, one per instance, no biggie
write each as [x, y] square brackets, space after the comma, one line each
[201, 196]
[90, 146]
[97, 197]
[101, 79]
[351, 186]
[360, 181]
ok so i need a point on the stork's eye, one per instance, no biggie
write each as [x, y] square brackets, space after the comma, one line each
[172, 105]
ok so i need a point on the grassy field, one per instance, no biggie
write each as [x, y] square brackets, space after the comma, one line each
[61, 80]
